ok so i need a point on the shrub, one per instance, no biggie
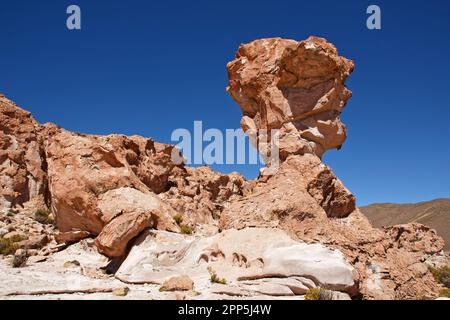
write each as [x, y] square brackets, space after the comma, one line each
[178, 218]
[43, 216]
[445, 293]
[186, 229]
[9, 246]
[215, 278]
[312, 294]
[442, 275]
[318, 294]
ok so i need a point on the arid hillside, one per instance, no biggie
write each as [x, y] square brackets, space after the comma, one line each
[435, 214]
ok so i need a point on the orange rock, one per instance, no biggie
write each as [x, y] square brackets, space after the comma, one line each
[22, 177]
[71, 236]
[296, 87]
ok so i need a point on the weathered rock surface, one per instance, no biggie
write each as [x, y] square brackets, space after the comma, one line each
[236, 256]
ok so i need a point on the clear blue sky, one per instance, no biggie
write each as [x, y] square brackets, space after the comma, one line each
[148, 67]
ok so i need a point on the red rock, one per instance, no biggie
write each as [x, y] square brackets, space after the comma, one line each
[296, 87]
[34, 242]
[71, 236]
[22, 177]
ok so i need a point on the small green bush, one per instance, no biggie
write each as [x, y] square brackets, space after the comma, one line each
[17, 238]
[312, 294]
[442, 275]
[215, 278]
[178, 218]
[9, 246]
[43, 216]
[445, 293]
[186, 229]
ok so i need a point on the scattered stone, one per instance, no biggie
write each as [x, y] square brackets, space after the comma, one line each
[178, 283]
[71, 264]
[36, 259]
[3, 231]
[34, 242]
[20, 258]
[71, 236]
[121, 292]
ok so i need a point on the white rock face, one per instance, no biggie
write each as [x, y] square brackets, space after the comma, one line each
[326, 267]
[274, 261]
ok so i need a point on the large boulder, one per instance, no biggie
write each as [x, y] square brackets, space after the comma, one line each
[130, 211]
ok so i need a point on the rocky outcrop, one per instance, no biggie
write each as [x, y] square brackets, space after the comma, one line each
[277, 235]
[295, 87]
[22, 169]
[103, 185]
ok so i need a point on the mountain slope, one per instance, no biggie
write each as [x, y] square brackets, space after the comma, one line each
[435, 214]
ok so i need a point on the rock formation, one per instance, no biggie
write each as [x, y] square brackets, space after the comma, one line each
[22, 170]
[162, 222]
[296, 87]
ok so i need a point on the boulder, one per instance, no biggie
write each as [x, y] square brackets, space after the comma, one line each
[34, 242]
[71, 236]
[178, 283]
[130, 212]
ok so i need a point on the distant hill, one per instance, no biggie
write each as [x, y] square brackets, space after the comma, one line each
[435, 214]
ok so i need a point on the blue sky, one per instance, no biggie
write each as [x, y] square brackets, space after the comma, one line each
[149, 67]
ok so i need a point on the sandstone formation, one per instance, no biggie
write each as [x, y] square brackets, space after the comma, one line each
[296, 87]
[150, 220]
[22, 169]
